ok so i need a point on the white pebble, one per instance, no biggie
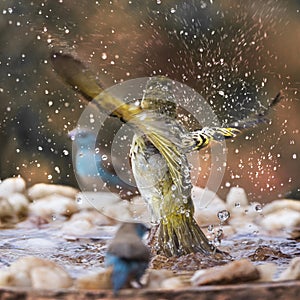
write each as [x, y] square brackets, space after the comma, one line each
[207, 205]
[236, 197]
[50, 277]
[42, 190]
[292, 272]
[154, 278]
[7, 212]
[19, 202]
[281, 219]
[173, 283]
[53, 205]
[281, 205]
[35, 272]
[95, 281]
[266, 271]
[12, 185]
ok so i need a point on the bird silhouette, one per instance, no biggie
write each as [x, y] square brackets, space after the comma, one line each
[127, 255]
[91, 164]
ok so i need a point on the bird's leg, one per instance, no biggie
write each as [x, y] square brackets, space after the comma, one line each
[179, 234]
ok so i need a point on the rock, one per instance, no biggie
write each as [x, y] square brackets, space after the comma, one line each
[95, 281]
[107, 204]
[42, 190]
[118, 211]
[90, 200]
[292, 272]
[244, 225]
[12, 185]
[280, 219]
[155, 278]
[5, 278]
[233, 272]
[20, 203]
[207, 205]
[266, 272]
[85, 222]
[280, 214]
[282, 204]
[49, 278]
[173, 283]
[13, 207]
[32, 244]
[35, 272]
[53, 205]
[236, 197]
[7, 213]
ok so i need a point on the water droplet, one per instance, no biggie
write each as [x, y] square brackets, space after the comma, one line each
[66, 152]
[219, 233]
[104, 157]
[210, 228]
[258, 207]
[216, 242]
[104, 55]
[173, 187]
[54, 217]
[223, 215]
[237, 204]
[172, 10]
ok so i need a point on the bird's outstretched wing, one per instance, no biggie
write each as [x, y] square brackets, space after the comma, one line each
[201, 138]
[162, 131]
[82, 80]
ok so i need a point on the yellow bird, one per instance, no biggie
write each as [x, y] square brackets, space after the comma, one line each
[158, 153]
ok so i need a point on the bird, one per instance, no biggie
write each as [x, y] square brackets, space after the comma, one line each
[127, 255]
[93, 164]
[158, 152]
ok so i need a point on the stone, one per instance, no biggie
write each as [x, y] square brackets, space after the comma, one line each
[7, 213]
[282, 204]
[95, 280]
[12, 185]
[154, 278]
[280, 219]
[35, 272]
[53, 205]
[236, 197]
[207, 205]
[292, 272]
[42, 190]
[234, 272]
[266, 272]
[20, 203]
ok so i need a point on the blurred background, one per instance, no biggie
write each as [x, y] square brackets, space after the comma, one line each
[236, 54]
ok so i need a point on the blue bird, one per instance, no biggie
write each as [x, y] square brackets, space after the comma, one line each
[90, 165]
[127, 255]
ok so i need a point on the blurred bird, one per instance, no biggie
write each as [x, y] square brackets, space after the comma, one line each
[91, 165]
[158, 152]
[127, 255]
